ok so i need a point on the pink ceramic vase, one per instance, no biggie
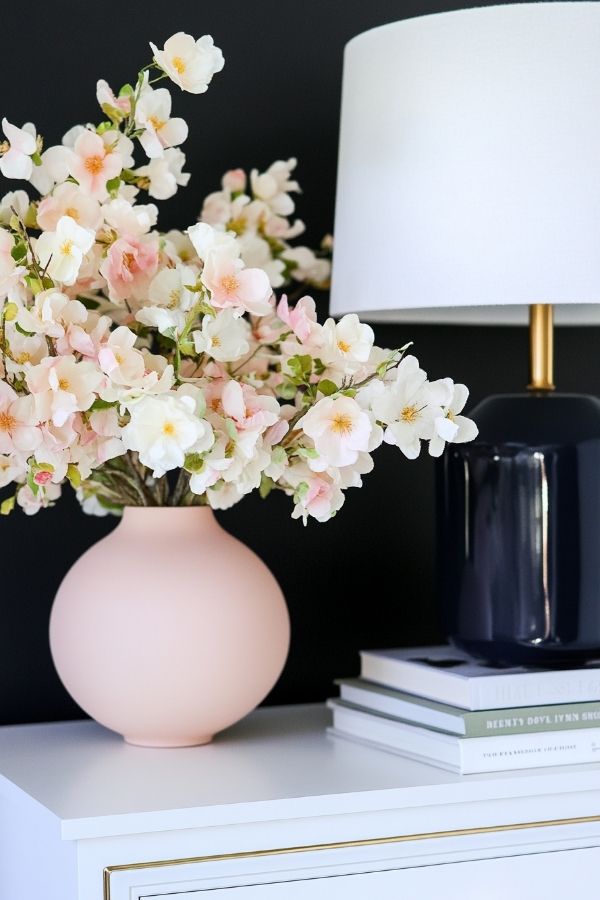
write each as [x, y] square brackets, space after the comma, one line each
[169, 629]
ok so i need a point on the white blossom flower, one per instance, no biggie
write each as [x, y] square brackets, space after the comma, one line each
[451, 427]
[129, 218]
[12, 468]
[15, 200]
[339, 428]
[62, 251]
[16, 162]
[153, 115]
[163, 429]
[31, 503]
[257, 254]
[224, 337]
[274, 186]
[119, 359]
[347, 343]
[165, 173]
[409, 406]
[53, 170]
[51, 313]
[62, 386]
[307, 266]
[190, 63]
[169, 298]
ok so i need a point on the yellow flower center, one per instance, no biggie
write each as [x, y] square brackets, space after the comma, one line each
[7, 422]
[409, 414]
[66, 247]
[173, 299]
[178, 64]
[128, 261]
[343, 346]
[168, 429]
[229, 283]
[215, 342]
[71, 211]
[341, 423]
[94, 164]
[237, 225]
[63, 384]
[156, 123]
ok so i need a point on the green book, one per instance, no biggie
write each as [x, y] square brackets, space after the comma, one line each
[372, 697]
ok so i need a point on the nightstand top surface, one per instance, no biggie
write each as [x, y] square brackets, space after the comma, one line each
[279, 763]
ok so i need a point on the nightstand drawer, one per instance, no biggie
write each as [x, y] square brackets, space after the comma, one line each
[540, 876]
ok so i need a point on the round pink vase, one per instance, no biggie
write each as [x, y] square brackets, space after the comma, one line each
[169, 629]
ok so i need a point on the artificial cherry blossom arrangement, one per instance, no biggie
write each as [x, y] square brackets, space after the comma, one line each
[159, 369]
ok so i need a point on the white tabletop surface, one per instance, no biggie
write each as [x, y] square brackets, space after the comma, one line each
[277, 763]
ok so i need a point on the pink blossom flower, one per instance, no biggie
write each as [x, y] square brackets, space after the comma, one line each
[129, 267]
[230, 284]
[300, 318]
[18, 432]
[249, 410]
[106, 97]
[69, 200]
[92, 163]
[234, 180]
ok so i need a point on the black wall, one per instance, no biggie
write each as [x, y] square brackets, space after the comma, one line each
[367, 578]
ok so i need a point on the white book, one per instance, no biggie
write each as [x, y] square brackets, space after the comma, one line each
[467, 756]
[451, 676]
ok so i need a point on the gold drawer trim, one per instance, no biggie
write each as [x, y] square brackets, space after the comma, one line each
[365, 842]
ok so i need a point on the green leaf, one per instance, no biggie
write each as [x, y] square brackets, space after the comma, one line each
[19, 251]
[43, 467]
[36, 159]
[7, 506]
[349, 392]
[126, 91]
[113, 185]
[36, 284]
[266, 486]
[32, 485]
[22, 331]
[301, 492]
[99, 404]
[115, 114]
[10, 312]
[231, 429]
[193, 463]
[307, 453]
[287, 390]
[74, 475]
[187, 348]
[279, 455]
[327, 387]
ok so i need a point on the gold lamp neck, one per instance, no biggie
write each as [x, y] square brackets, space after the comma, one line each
[541, 347]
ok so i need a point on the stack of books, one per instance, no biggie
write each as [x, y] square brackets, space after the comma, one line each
[437, 705]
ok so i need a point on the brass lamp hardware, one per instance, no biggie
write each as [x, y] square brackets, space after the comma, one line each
[541, 347]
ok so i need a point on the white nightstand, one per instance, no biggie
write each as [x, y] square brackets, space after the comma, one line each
[276, 809]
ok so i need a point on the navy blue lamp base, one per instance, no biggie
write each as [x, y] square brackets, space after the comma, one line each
[519, 543]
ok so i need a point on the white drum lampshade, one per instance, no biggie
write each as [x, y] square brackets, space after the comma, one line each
[469, 167]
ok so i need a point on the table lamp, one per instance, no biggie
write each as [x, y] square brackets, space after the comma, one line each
[469, 192]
